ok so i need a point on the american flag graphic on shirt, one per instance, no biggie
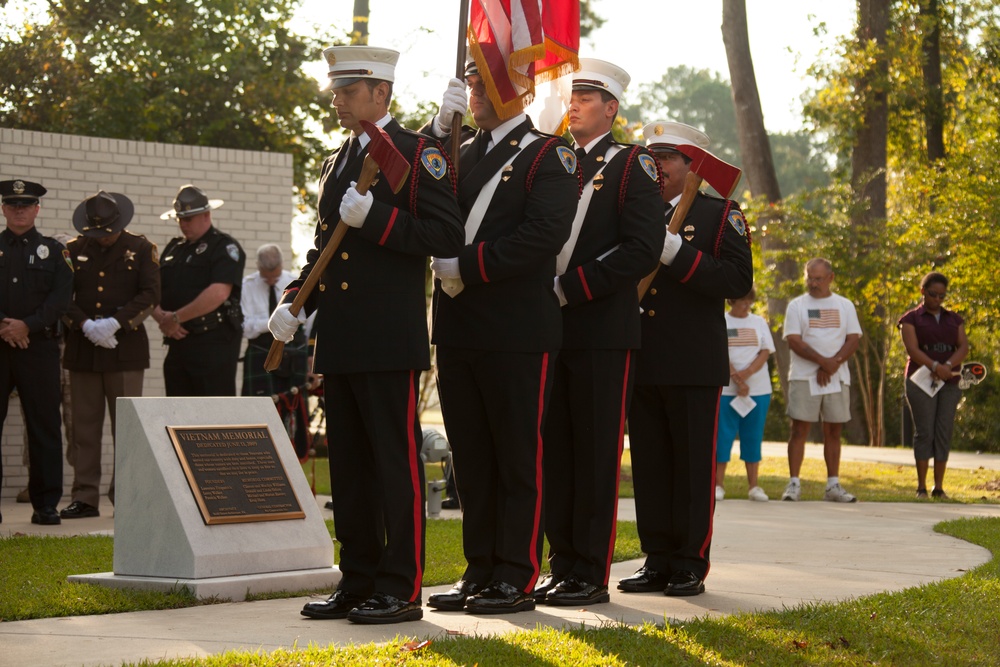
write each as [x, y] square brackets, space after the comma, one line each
[742, 337]
[824, 318]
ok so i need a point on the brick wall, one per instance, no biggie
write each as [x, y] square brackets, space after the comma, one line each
[258, 209]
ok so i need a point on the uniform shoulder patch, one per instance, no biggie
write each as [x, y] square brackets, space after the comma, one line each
[69, 260]
[567, 157]
[434, 162]
[648, 164]
[233, 251]
[738, 222]
[155, 253]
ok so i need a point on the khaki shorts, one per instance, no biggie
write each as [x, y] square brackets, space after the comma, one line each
[804, 407]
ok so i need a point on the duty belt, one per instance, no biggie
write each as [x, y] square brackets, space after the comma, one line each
[937, 347]
[204, 323]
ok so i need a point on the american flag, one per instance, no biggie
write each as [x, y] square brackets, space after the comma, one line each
[824, 318]
[742, 337]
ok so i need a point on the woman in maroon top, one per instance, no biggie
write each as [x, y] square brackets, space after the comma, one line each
[935, 338]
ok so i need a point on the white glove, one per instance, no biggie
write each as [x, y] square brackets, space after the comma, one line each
[110, 342]
[557, 288]
[354, 206]
[283, 324]
[106, 328]
[455, 100]
[89, 327]
[445, 267]
[671, 246]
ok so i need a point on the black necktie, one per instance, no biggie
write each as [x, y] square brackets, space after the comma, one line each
[272, 298]
[581, 153]
[484, 142]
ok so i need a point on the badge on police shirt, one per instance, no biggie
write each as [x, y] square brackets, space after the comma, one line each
[738, 222]
[129, 255]
[202, 247]
[233, 251]
[567, 157]
[42, 251]
[648, 164]
[434, 162]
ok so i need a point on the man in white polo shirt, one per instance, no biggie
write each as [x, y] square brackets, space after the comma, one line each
[823, 332]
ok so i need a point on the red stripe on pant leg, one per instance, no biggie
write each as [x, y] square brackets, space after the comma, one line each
[413, 456]
[618, 471]
[537, 520]
[711, 513]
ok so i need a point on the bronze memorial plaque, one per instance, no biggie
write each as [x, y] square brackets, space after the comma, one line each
[235, 473]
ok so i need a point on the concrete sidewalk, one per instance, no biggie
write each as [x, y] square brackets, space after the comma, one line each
[765, 556]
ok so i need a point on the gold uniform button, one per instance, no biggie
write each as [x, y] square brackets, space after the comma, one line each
[652, 313]
[97, 305]
[343, 286]
[100, 289]
[343, 255]
[101, 274]
[323, 227]
[322, 287]
[652, 291]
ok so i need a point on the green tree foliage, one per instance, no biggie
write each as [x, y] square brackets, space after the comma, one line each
[224, 73]
[941, 215]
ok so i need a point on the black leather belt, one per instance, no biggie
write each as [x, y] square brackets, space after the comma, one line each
[204, 323]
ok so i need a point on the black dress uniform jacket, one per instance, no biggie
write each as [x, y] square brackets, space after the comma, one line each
[625, 216]
[371, 299]
[508, 303]
[713, 265]
[121, 281]
[37, 281]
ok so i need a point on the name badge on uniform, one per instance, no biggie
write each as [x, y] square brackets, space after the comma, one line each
[82, 258]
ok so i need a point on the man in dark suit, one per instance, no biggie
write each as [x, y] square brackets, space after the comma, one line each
[372, 342]
[616, 240]
[37, 278]
[498, 329]
[116, 285]
[680, 372]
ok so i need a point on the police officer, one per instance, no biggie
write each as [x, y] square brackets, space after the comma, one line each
[37, 279]
[680, 372]
[372, 341]
[498, 329]
[115, 287]
[201, 274]
[616, 240]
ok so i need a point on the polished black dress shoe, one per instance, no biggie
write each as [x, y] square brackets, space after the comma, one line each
[78, 510]
[47, 516]
[451, 504]
[573, 591]
[499, 597]
[543, 587]
[337, 605]
[685, 583]
[454, 599]
[383, 608]
[645, 580]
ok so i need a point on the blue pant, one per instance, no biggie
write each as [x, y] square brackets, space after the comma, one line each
[749, 428]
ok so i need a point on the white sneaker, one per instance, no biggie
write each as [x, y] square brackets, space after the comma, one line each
[837, 494]
[757, 493]
[720, 492]
[792, 492]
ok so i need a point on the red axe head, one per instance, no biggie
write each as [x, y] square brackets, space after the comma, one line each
[390, 161]
[721, 175]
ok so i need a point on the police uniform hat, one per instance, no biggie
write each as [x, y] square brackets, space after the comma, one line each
[21, 193]
[663, 136]
[103, 214]
[350, 64]
[471, 68]
[601, 75]
[190, 201]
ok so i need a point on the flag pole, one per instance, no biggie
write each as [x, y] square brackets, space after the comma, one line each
[463, 38]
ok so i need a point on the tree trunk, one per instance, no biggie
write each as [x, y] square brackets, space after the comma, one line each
[361, 13]
[930, 24]
[755, 153]
[868, 180]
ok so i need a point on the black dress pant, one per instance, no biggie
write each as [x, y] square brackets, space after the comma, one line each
[672, 439]
[493, 405]
[584, 433]
[203, 364]
[34, 372]
[377, 481]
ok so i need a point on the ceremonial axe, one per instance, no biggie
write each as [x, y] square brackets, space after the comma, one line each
[382, 156]
[721, 175]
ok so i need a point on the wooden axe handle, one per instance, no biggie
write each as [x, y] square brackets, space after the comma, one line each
[691, 184]
[368, 172]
